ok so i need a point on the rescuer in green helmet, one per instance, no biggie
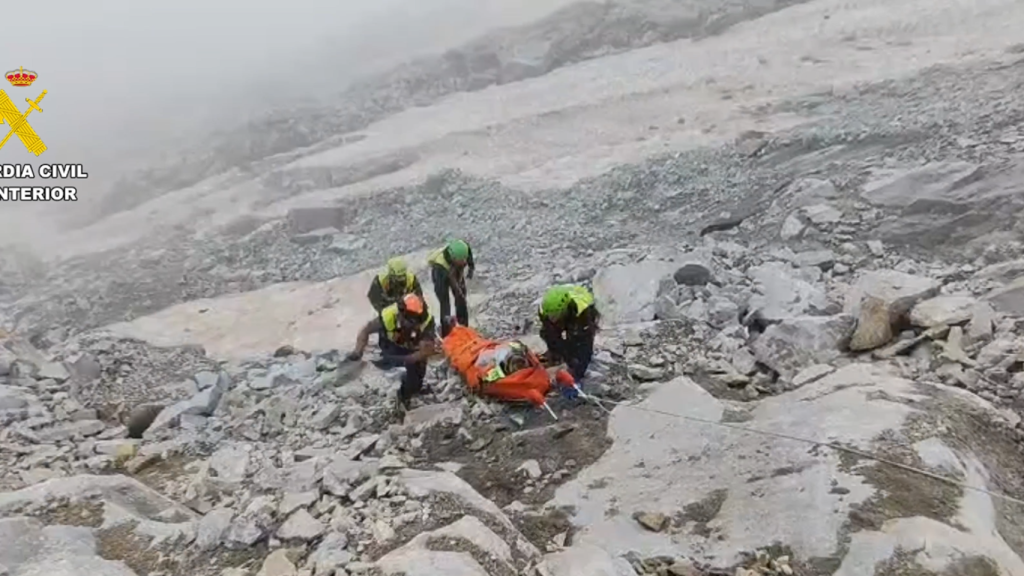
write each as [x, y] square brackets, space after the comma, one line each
[392, 284]
[568, 324]
[450, 266]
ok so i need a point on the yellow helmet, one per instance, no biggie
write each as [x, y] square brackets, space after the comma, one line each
[397, 267]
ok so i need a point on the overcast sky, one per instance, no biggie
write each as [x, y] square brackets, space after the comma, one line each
[151, 69]
[124, 77]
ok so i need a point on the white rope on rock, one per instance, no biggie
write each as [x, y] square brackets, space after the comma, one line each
[832, 445]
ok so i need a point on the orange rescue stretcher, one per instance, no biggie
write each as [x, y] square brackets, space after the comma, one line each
[508, 370]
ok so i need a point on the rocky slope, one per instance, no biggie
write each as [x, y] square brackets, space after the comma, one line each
[812, 363]
[965, 120]
[576, 33]
[752, 382]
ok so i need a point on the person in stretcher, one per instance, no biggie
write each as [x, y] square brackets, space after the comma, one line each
[505, 370]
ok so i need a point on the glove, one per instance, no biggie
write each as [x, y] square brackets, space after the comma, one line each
[569, 392]
[354, 356]
[566, 385]
[469, 274]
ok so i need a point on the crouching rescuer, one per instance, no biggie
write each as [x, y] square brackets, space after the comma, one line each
[568, 324]
[391, 285]
[407, 337]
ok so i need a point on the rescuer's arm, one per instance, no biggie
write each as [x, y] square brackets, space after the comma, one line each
[364, 338]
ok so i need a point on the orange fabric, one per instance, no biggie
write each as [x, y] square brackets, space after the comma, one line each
[564, 378]
[463, 346]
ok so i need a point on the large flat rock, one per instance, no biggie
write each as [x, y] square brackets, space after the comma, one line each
[124, 493]
[934, 181]
[1009, 299]
[739, 491]
[306, 315]
[28, 548]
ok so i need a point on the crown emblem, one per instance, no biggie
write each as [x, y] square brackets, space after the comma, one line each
[21, 77]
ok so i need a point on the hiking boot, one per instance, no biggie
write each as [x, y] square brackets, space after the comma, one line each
[402, 404]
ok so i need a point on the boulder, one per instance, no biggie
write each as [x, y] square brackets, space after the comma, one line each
[53, 371]
[141, 417]
[301, 525]
[783, 293]
[692, 274]
[585, 559]
[422, 483]
[1003, 272]
[821, 214]
[203, 403]
[792, 227]
[68, 430]
[943, 310]
[794, 343]
[229, 464]
[811, 191]
[280, 562]
[330, 555]
[898, 290]
[420, 562]
[626, 293]
[212, 528]
[1008, 299]
[86, 367]
[874, 326]
[324, 416]
[983, 317]
[821, 259]
[417, 559]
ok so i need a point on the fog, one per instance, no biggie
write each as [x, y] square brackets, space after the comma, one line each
[126, 77]
[131, 81]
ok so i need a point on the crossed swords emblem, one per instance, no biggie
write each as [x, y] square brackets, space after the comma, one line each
[19, 124]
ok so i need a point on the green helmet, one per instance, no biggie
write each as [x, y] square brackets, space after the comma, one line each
[458, 250]
[556, 299]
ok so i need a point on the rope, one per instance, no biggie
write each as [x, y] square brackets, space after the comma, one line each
[832, 445]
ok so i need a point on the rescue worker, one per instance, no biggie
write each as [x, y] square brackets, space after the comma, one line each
[392, 284]
[450, 266]
[568, 324]
[407, 337]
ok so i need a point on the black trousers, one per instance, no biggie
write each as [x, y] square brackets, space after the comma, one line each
[442, 289]
[575, 348]
[412, 380]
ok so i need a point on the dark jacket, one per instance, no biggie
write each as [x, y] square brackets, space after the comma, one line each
[381, 297]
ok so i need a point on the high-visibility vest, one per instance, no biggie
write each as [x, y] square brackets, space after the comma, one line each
[389, 319]
[384, 278]
[437, 257]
